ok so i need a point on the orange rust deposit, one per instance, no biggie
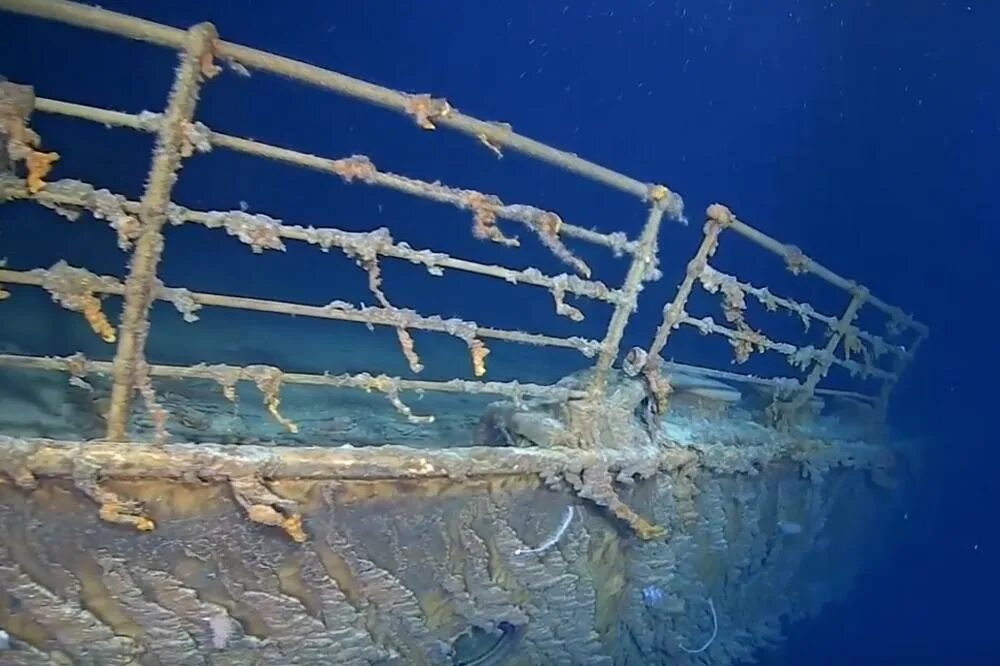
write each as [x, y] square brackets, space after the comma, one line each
[39, 164]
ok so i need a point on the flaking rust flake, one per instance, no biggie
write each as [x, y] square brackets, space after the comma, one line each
[265, 507]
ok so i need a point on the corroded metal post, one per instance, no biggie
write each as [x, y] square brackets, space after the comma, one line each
[719, 218]
[642, 262]
[822, 364]
[152, 214]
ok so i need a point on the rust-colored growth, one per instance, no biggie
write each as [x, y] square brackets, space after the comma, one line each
[718, 218]
[39, 164]
[268, 380]
[124, 514]
[355, 167]
[425, 110]
[265, 507]
[659, 386]
[547, 225]
[74, 288]
[90, 306]
[490, 144]
[484, 218]
[657, 193]
[157, 414]
[268, 515]
[406, 345]
[206, 62]
[595, 484]
[751, 341]
[822, 362]
[734, 310]
[795, 260]
[390, 387]
[370, 263]
[478, 352]
[20, 142]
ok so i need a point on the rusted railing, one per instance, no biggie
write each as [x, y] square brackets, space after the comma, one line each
[139, 226]
[843, 334]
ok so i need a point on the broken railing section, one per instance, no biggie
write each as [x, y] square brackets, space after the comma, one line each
[842, 333]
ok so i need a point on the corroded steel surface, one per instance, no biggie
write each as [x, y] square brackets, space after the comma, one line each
[425, 570]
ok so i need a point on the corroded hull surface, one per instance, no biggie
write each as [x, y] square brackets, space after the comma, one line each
[425, 570]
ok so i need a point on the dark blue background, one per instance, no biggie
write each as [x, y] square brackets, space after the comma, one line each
[864, 132]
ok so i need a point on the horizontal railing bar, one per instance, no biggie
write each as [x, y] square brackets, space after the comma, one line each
[764, 296]
[223, 462]
[61, 193]
[460, 198]
[95, 18]
[72, 364]
[708, 325]
[188, 301]
[809, 265]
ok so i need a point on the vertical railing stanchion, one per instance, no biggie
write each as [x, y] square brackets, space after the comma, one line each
[719, 218]
[642, 262]
[152, 216]
[822, 363]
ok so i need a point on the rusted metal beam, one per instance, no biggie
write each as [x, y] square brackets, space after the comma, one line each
[74, 194]
[129, 357]
[435, 112]
[187, 302]
[351, 169]
[643, 262]
[718, 218]
[821, 364]
[77, 364]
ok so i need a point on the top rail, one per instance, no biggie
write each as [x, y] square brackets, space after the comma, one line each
[429, 113]
[95, 18]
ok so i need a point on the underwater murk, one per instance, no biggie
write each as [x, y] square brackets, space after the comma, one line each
[232, 476]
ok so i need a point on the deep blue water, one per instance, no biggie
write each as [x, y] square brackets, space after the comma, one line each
[864, 132]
